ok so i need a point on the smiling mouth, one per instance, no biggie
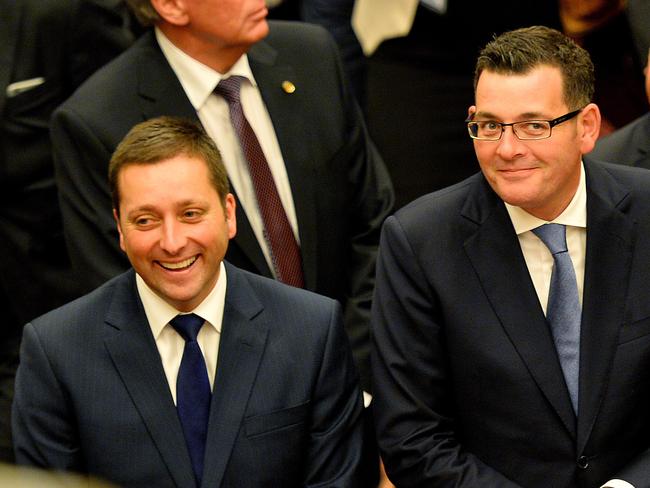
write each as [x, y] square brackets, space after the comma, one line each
[180, 265]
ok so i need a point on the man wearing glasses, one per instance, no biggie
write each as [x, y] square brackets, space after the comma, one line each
[511, 316]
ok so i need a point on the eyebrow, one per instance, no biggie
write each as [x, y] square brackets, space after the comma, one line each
[522, 117]
[153, 208]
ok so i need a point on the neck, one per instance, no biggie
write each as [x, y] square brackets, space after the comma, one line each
[219, 57]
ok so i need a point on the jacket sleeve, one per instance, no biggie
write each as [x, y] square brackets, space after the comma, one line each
[43, 426]
[336, 439]
[413, 402]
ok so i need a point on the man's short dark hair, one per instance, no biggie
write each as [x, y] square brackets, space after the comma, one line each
[144, 11]
[519, 51]
[163, 138]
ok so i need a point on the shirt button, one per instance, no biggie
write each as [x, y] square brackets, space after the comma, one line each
[583, 462]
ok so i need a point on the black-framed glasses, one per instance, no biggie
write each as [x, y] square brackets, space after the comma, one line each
[526, 130]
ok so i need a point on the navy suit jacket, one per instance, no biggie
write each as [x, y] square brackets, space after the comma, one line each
[468, 389]
[92, 396]
[341, 189]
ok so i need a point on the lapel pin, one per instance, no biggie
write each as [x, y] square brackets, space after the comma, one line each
[288, 87]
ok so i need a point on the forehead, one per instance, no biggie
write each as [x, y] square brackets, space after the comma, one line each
[537, 92]
[167, 180]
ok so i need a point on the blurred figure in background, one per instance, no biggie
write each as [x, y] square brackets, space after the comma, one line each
[629, 145]
[606, 29]
[47, 49]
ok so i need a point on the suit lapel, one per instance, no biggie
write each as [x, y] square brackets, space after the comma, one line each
[610, 246]
[160, 91]
[243, 339]
[10, 14]
[286, 111]
[496, 256]
[132, 348]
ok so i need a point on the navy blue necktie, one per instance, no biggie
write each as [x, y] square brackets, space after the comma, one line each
[563, 311]
[192, 391]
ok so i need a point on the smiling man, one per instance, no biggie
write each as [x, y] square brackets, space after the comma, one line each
[510, 319]
[312, 191]
[187, 371]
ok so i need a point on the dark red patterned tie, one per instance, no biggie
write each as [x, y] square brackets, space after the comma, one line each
[285, 252]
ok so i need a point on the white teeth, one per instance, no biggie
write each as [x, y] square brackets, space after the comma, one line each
[182, 264]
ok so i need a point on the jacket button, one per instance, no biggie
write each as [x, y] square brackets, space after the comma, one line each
[583, 462]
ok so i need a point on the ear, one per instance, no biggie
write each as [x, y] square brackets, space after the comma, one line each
[471, 111]
[172, 11]
[231, 218]
[588, 127]
[119, 230]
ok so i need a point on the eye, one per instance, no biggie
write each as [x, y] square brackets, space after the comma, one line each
[534, 127]
[488, 127]
[143, 222]
[192, 214]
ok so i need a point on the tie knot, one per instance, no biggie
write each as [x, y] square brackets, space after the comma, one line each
[553, 236]
[229, 88]
[187, 326]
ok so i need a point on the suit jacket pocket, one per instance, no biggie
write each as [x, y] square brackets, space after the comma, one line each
[34, 105]
[634, 330]
[269, 422]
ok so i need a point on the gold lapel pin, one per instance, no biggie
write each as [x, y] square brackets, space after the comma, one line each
[288, 87]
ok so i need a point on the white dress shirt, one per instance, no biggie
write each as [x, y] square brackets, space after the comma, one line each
[170, 344]
[199, 82]
[539, 259]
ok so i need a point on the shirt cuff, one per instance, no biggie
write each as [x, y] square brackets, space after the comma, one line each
[617, 484]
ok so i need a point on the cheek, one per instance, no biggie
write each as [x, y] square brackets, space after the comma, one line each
[137, 245]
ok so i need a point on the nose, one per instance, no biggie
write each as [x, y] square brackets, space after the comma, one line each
[510, 147]
[173, 238]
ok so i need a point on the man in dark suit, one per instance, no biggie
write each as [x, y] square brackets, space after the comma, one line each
[102, 387]
[333, 184]
[47, 49]
[629, 144]
[488, 369]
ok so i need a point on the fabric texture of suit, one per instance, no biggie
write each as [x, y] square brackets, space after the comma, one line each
[630, 144]
[92, 396]
[468, 389]
[51, 47]
[341, 190]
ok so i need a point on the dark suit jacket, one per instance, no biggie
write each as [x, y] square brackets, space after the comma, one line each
[62, 42]
[92, 396]
[56, 44]
[340, 187]
[468, 390]
[630, 143]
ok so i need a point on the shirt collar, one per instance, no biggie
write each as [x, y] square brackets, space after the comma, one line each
[197, 79]
[159, 312]
[575, 214]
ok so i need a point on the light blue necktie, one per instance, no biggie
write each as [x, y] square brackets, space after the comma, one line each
[563, 310]
[193, 391]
